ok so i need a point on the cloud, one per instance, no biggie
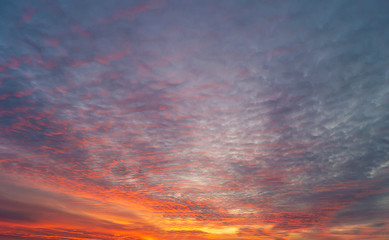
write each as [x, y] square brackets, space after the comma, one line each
[194, 118]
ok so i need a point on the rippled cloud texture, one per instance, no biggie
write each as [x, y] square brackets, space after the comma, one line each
[197, 120]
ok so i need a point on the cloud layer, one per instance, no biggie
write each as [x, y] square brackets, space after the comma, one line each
[194, 120]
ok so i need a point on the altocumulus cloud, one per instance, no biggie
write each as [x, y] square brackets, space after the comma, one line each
[194, 119]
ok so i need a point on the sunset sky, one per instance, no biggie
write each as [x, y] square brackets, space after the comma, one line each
[194, 120]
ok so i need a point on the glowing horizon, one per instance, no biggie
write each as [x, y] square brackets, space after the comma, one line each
[194, 120]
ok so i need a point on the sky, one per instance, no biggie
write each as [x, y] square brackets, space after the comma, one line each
[194, 120]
